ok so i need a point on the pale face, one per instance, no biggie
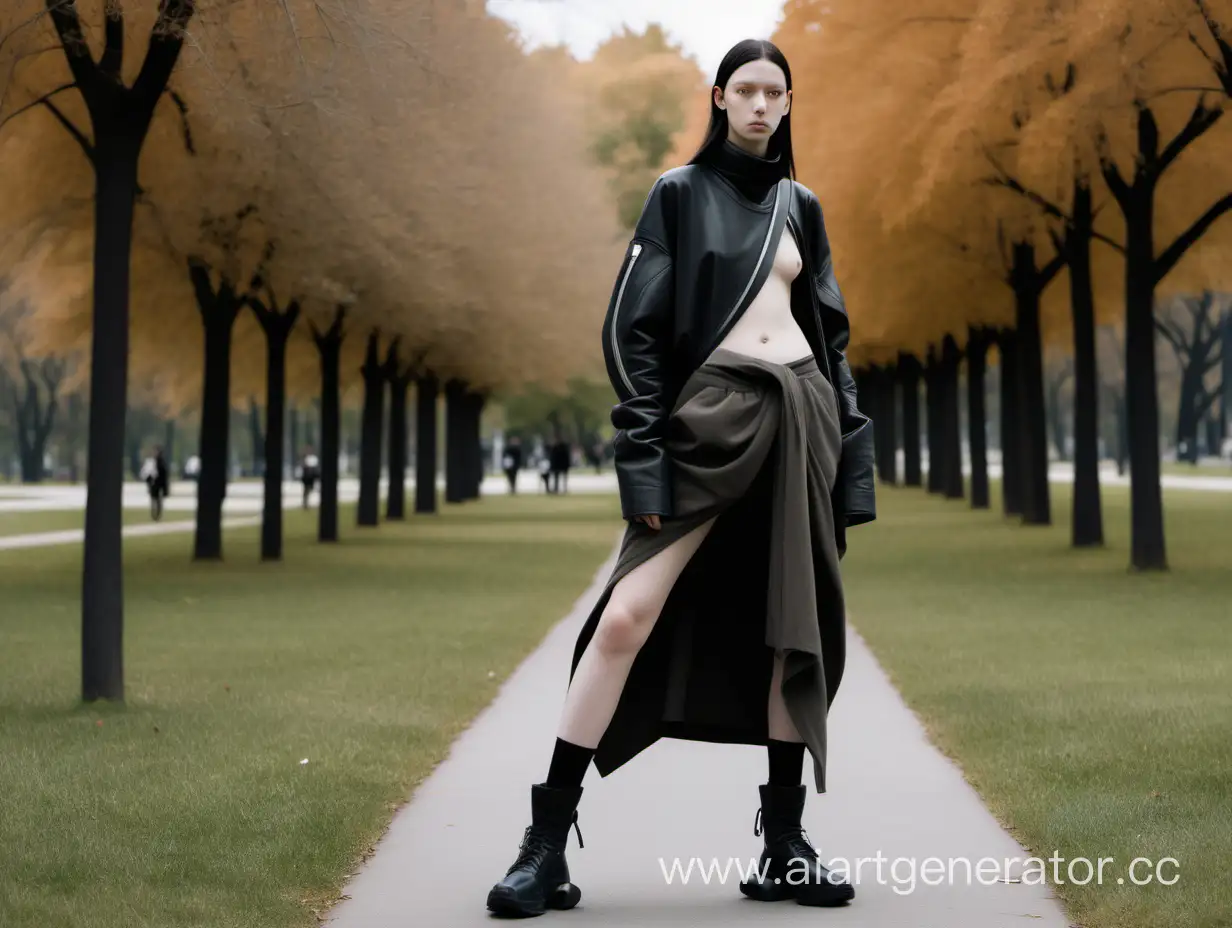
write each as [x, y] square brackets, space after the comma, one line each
[756, 100]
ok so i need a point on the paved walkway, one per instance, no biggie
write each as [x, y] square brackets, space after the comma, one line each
[241, 498]
[891, 793]
[247, 496]
[74, 536]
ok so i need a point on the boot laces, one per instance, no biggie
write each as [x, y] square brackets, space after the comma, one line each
[796, 838]
[537, 842]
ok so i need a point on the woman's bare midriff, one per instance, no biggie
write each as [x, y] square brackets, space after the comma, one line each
[767, 330]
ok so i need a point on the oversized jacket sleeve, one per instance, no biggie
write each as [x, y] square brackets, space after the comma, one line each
[855, 484]
[637, 333]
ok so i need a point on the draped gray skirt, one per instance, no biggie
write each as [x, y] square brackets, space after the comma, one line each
[757, 445]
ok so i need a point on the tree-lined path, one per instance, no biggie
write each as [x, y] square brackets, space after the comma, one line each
[891, 793]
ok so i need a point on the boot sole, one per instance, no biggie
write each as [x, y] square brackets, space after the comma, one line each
[501, 901]
[825, 894]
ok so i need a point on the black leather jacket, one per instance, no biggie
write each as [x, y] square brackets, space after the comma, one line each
[698, 256]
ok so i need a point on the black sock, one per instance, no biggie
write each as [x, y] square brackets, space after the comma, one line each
[786, 762]
[569, 764]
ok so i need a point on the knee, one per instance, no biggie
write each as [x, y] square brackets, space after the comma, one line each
[624, 627]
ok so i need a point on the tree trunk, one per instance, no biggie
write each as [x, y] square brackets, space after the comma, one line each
[1122, 434]
[329, 350]
[952, 474]
[1011, 471]
[977, 435]
[909, 377]
[395, 504]
[934, 406]
[474, 444]
[427, 389]
[120, 117]
[1225, 376]
[1032, 417]
[275, 436]
[1141, 403]
[31, 460]
[1212, 436]
[292, 445]
[74, 437]
[1055, 417]
[455, 438]
[883, 402]
[1187, 414]
[256, 437]
[1087, 514]
[102, 589]
[277, 324]
[368, 512]
[218, 318]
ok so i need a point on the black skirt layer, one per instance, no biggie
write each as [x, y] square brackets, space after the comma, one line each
[756, 444]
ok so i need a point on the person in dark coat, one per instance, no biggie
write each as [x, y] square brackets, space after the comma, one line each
[742, 459]
[560, 461]
[511, 462]
[157, 479]
[309, 474]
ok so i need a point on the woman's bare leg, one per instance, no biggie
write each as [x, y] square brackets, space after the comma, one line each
[782, 728]
[622, 629]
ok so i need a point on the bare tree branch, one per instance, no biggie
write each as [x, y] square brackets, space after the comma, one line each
[183, 108]
[29, 21]
[32, 104]
[1108, 167]
[76, 133]
[1201, 119]
[1170, 331]
[1169, 258]
[1223, 66]
[76, 51]
[112, 61]
[166, 40]
[1052, 269]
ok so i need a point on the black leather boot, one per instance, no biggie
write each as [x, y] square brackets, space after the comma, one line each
[539, 878]
[790, 863]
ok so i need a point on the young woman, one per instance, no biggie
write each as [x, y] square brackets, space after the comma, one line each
[741, 458]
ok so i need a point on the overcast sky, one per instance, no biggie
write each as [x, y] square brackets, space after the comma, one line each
[705, 28]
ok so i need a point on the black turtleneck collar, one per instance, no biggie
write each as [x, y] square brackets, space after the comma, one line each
[752, 175]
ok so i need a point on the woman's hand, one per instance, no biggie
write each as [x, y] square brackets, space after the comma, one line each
[651, 519]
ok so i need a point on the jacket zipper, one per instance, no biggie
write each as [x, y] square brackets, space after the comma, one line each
[722, 333]
[620, 295]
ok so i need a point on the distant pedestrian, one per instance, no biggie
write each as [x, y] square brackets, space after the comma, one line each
[560, 461]
[310, 473]
[511, 462]
[545, 472]
[154, 473]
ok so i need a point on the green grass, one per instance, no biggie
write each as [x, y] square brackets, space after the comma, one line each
[1088, 705]
[1091, 707]
[190, 806]
[54, 520]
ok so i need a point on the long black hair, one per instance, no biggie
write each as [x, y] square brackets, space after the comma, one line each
[716, 133]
